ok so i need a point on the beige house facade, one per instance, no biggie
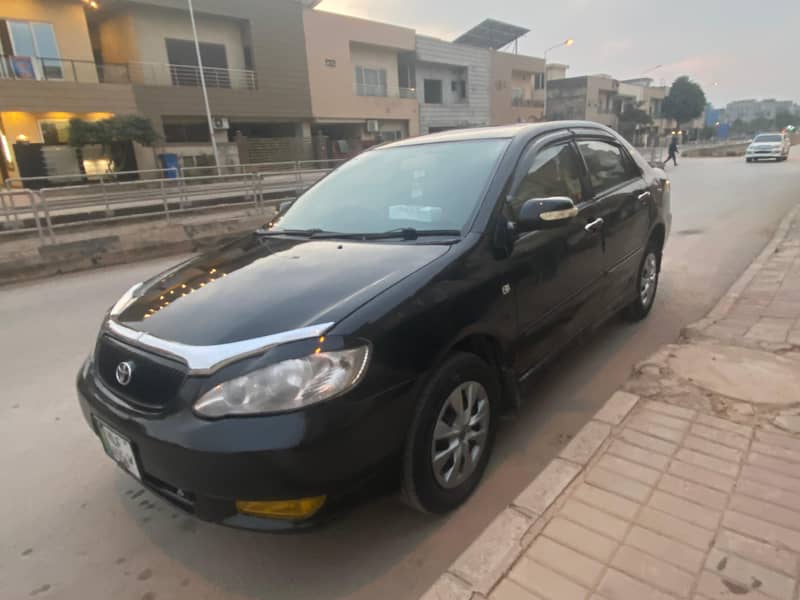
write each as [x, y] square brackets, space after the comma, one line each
[590, 97]
[517, 88]
[47, 77]
[359, 80]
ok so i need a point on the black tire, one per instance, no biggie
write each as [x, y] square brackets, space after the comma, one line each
[638, 309]
[749, 160]
[421, 489]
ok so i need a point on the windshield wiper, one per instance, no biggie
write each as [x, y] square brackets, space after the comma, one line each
[406, 233]
[301, 232]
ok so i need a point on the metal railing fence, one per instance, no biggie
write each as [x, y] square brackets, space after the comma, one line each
[49, 210]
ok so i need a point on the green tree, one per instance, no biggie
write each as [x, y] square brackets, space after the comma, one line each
[685, 101]
[631, 117]
[113, 135]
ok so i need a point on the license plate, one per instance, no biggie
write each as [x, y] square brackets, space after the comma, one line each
[119, 449]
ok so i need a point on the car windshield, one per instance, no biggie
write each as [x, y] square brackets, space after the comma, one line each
[772, 137]
[433, 186]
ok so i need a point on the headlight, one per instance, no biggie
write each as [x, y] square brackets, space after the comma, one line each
[286, 385]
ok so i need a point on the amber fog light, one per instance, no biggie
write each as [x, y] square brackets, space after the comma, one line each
[298, 509]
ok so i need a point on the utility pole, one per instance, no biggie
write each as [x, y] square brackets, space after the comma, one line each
[203, 86]
[567, 42]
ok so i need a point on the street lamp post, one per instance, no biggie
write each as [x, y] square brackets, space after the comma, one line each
[567, 42]
[203, 86]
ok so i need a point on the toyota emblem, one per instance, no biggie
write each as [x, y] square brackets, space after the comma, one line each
[124, 372]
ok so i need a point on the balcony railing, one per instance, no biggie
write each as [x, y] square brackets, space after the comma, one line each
[146, 73]
[36, 68]
[383, 91]
[527, 102]
[369, 89]
[86, 71]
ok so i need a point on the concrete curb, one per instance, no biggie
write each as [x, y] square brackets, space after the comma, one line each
[480, 567]
[732, 295]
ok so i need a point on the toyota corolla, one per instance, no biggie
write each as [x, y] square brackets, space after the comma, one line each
[382, 322]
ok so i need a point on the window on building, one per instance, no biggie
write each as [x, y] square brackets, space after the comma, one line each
[538, 81]
[54, 131]
[516, 96]
[433, 91]
[186, 132]
[459, 89]
[390, 136]
[371, 82]
[32, 50]
[182, 57]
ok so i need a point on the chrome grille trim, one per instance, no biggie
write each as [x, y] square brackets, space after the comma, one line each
[204, 360]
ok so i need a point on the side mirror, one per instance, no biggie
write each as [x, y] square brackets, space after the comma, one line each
[545, 213]
[284, 206]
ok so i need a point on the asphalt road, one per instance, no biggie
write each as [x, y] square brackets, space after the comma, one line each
[74, 526]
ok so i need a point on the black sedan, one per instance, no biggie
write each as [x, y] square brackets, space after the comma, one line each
[386, 318]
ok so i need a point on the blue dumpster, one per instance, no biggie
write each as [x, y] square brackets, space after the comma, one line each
[171, 164]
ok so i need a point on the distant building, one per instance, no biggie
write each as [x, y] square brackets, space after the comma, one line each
[359, 72]
[750, 109]
[517, 81]
[590, 97]
[452, 84]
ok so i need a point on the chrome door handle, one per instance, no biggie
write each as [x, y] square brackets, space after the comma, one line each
[594, 225]
[644, 196]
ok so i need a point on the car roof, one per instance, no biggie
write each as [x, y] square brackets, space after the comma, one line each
[770, 133]
[499, 132]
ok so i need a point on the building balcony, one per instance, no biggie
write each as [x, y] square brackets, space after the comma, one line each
[529, 102]
[35, 68]
[383, 91]
[144, 73]
[28, 68]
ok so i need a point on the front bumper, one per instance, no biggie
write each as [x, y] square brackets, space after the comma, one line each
[764, 154]
[203, 467]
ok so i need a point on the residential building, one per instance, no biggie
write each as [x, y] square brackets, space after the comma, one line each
[743, 110]
[361, 81]
[517, 88]
[47, 76]
[750, 110]
[590, 97]
[452, 83]
[556, 71]
[254, 63]
[516, 82]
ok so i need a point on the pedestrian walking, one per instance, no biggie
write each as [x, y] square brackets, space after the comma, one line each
[673, 151]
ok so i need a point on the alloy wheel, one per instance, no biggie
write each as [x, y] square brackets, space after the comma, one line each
[647, 283]
[460, 434]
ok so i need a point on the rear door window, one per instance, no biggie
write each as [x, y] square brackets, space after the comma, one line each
[607, 163]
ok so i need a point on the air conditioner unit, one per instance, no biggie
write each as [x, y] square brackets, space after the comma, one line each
[373, 126]
[221, 123]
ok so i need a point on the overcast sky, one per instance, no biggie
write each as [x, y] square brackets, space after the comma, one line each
[734, 48]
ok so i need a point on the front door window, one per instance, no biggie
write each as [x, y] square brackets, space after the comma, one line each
[554, 171]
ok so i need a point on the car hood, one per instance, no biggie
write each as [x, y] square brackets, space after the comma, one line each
[265, 285]
[765, 145]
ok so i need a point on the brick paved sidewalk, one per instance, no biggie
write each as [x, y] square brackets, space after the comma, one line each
[684, 485]
[678, 505]
[764, 305]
